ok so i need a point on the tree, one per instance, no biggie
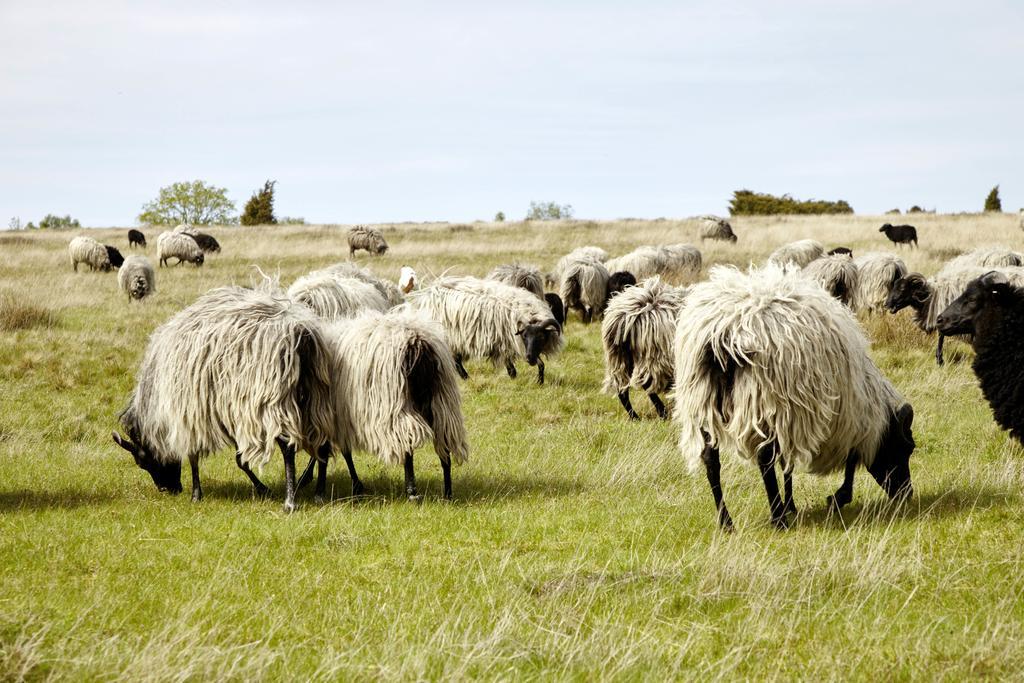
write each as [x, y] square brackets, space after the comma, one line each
[192, 203]
[992, 201]
[548, 211]
[58, 222]
[499, 217]
[259, 210]
[747, 203]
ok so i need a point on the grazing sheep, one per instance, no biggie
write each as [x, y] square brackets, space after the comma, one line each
[799, 253]
[406, 279]
[841, 250]
[837, 274]
[771, 367]
[179, 246]
[114, 256]
[877, 273]
[519, 275]
[487, 319]
[389, 290]
[136, 238]
[637, 333]
[584, 288]
[136, 277]
[681, 260]
[332, 297]
[900, 234]
[618, 282]
[242, 367]
[90, 252]
[986, 257]
[554, 302]
[715, 228]
[368, 239]
[641, 263]
[577, 254]
[395, 388]
[207, 243]
[991, 308]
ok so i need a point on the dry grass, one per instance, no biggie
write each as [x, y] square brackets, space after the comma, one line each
[20, 315]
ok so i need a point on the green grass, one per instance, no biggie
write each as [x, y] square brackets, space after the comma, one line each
[577, 545]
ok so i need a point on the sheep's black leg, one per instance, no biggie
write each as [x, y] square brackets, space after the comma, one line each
[288, 451]
[938, 349]
[658, 405]
[446, 469]
[844, 494]
[713, 467]
[197, 489]
[460, 369]
[357, 485]
[307, 474]
[540, 371]
[410, 480]
[261, 488]
[510, 368]
[320, 494]
[624, 400]
[787, 484]
[588, 315]
[766, 463]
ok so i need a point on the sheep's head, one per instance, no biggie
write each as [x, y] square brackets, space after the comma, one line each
[114, 256]
[885, 228]
[732, 237]
[910, 290]
[985, 293]
[139, 287]
[200, 259]
[619, 281]
[380, 245]
[166, 475]
[891, 465]
[538, 338]
[846, 251]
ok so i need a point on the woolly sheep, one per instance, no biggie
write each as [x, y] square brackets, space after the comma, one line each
[588, 253]
[369, 239]
[637, 332]
[136, 277]
[681, 260]
[584, 287]
[391, 292]
[715, 228]
[799, 253]
[332, 297]
[525, 276]
[395, 388]
[642, 263]
[179, 246]
[487, 319]
[877, 273]
[773, 368]
[278, 390]
[86, 250]
[136, 238]
[837, 275]
[986, 257]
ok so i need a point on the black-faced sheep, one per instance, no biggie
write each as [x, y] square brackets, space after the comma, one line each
[637, 333]
[877, 273]
[90, 252]
[618, 282]
[369, 239]
[136, 238]
[773, 368]
[900, 234]
[207, 243]
[837, 275]
[715, 228]
[114, 256]
[179, 246]
[240, 367]
[525, 276]
[487, 319]
[136, 277]
[554, 302]
[798, 253]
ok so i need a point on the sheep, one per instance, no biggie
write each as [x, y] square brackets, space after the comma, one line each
[114, 255]
[368, 239]
[487, 319]
[406, 279]
[840, 250]
[86, 250]
[988, 257]
[877, 273]
[991, 308]
[837, 275]
[136, 237]
[900, 234]
[588, 253]
[637, 334]
[715, 228]
[395, 388]
[799, 253]
[642, 263]
[332, 297]
[681, 260]
[245, 367]
[584, 287]
[179, 246]
[527, 277]
[136, 277]
[391, 292]
[618, 282]
[772, 367]
[554, 302]
[207, 243]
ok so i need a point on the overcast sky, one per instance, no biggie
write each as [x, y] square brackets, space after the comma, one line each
[452, 111]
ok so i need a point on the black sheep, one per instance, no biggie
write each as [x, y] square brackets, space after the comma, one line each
[207, 243]
[993, 311]
[136, 237]
[900, 234]
[114, 255]
[841, 250]
[557, 308]
[618, 281]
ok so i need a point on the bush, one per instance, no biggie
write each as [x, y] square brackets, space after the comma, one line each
[192, 203]
[21, 315]
[57, 222]
[548, 211]
[992, 201]
[499, 217]
[916, 209]
[747, 203]
[893, 212]
[259, 210]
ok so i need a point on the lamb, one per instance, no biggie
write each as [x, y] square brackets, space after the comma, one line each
[837, 275]
[487, 319]
[114, 255]
[136, 238]
[179, 246]
[86, 250]
[637, 333]
[900, 234]
[877, 273]
[584, 287]
[799, 253]
[333, 297]
[136, 277]
[527, 277]
[368, 239]
[715, 228]
[278, 390]
[392, 293]
[395, 388]
[772, 367]
[991, 308]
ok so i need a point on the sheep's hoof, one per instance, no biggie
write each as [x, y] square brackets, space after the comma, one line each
[633, 417]
[261, 491]
[197, 496]
[415, 498]
[836, 503]
[358, 489]
[289, 506]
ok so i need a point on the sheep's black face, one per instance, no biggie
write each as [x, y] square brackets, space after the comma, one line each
[201, 259]
[166, 476]
[116, 260]
[538, 338]
[959, 317]
[885, 228]
[733, 238]
[891, 466]
[381, 248]
[907, 291]
[619, 281]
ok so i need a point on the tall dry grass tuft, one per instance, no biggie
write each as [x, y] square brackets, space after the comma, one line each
[19, 315]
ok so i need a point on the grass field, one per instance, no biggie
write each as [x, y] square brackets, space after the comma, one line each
[577, 546]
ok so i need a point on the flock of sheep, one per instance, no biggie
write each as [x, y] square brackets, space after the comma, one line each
[770, 363]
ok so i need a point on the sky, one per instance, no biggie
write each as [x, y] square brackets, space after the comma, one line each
[395, 111]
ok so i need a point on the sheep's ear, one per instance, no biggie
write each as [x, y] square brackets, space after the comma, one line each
[552, 326]
[906, 420]
[125, 444]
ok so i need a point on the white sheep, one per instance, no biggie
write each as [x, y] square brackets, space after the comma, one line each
[178, 245]
[391, 292]
[837, 274]
[246, 368]
[643, 262]
[136, 277]
[584, 287]
[877, 272]
[588, 253]
[770, 366]
[799, 253]
[487, 319]
[715, 228]
[332, 297]
[521, 275]
[86, 250]
[991, 256]
[637, 333]
[681, 260]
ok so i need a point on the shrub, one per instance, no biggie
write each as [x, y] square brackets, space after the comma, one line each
[57, 222]
[259, 210]
[748, 203]
[548, 211]
[19, 315]
[291, 220]
[992, 201]
[893, 212]
[499, 217]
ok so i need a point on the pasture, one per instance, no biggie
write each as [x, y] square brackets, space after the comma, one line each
[577, 545]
